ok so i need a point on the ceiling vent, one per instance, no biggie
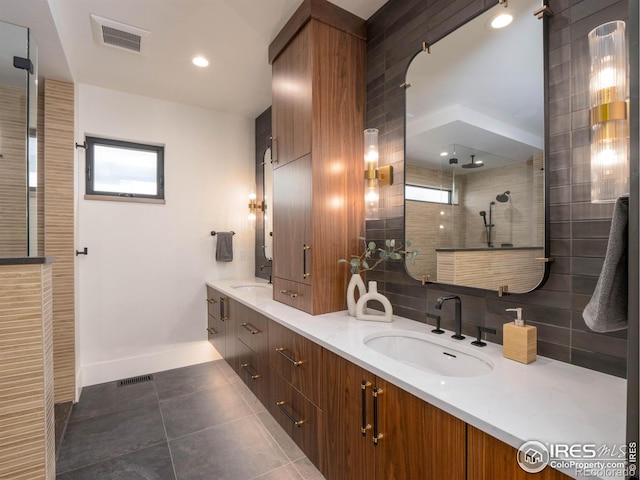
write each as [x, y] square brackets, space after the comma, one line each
[118, 35]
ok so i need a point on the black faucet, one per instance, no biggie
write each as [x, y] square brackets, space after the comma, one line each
[458, 318]
[269, 265]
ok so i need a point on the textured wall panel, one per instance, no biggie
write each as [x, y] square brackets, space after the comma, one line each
[59, 155]
[578, 229]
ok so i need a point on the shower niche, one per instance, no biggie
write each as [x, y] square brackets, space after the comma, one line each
[21, 211]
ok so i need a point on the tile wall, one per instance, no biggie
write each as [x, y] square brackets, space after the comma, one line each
[578, 230]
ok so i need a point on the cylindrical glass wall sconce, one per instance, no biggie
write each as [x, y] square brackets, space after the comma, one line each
[608, 112]
[371, 195]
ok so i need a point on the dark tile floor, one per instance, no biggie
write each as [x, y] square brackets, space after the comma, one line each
[197, 422]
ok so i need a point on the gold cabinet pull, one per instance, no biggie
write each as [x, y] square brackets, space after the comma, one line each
[211, 331]
[365, 426]
[254, 376]
[290, 294]
[297, 423]
[223, 309]
[250, 328]
[294, 362]
[376, 434]
[305, 247]
[211, 301]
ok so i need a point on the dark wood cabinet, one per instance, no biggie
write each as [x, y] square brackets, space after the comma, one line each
[377, 430]
[222, 326]
[488, 457]
[318, 123]
[296, 359]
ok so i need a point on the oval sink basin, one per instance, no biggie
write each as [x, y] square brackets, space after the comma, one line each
[251, 287]
[429, 354]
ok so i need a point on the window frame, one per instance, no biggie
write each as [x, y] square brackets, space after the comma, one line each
[434, 189]
[92, 194]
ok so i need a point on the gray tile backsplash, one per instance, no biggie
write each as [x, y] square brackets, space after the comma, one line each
[578, 229]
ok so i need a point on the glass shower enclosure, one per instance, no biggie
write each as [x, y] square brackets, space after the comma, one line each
[21, 224]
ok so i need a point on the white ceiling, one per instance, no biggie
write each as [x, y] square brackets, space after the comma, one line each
[233, 34]
[479, 88]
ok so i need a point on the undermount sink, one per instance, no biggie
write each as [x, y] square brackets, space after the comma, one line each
[429, 354]
[251, 287]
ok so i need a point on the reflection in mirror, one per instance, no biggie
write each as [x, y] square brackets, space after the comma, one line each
[267, 204]
[474, 192]
[18, 143]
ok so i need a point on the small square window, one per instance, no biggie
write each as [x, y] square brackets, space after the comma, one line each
[124, 170]
[421, 193]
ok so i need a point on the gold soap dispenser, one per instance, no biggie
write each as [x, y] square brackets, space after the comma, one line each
[520, 341]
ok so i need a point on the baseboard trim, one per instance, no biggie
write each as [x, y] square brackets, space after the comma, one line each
[180, 356]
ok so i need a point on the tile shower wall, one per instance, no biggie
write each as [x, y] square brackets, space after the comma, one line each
[578, 230]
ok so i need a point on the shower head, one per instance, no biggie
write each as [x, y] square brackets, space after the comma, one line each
[504, 197]
[473, 163]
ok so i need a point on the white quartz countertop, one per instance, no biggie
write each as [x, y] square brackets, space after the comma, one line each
[549, 401]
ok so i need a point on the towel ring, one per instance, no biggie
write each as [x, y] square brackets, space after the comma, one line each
[214, 233]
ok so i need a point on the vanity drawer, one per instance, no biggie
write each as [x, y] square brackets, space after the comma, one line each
[297, 359]
[216, 334]
[300, 418]
[254, 372]
[253, 330]
[294, 294]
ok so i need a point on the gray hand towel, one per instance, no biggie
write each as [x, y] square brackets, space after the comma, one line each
[224, 247]
[607, 309]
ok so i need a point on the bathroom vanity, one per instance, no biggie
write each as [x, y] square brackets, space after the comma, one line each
[357, 412]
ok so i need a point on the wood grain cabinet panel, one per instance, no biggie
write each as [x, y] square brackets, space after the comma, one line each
[254, 372]
[488, 457]
[298, 416]
[415, 439]
[222, 326]
[297, 359]
[318, 122]
[252, 330]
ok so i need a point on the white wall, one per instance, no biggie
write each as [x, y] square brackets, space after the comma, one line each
[141, 288]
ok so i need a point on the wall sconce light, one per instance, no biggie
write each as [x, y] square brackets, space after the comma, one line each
[608, 112]
[254, 205]
[374, 176]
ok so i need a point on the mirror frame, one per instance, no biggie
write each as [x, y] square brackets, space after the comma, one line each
[263, 141]
[546, 143]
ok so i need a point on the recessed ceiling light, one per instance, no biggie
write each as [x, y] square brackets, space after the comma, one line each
[200, 62]
[444, 154]
[501, 21]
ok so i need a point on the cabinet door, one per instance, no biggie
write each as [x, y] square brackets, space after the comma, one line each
[347, 401]
[301, 419]
[292, 221]
[252, 329]
[418, 440]
[488, 457]
[291, 102]
[297, 359]
[216, 328]
[228, 314]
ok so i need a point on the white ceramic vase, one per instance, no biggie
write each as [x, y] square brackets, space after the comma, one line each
[355, 282]
[372, 294]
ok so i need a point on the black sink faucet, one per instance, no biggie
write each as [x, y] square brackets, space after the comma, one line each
[269, 265]
[458, 318]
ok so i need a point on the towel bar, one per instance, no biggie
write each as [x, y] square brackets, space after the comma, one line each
[214, 233]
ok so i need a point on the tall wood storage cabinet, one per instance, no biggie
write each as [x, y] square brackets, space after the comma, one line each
[318, 62]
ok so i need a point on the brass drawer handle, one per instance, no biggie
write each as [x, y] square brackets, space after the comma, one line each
[294, 362]
[212, 331]
[365, 426]
[291, 294]
[254, 376]
[250, 328]
[223, 309]
[297, 423]
[305, 247]
[376, 434]
[211, 301]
